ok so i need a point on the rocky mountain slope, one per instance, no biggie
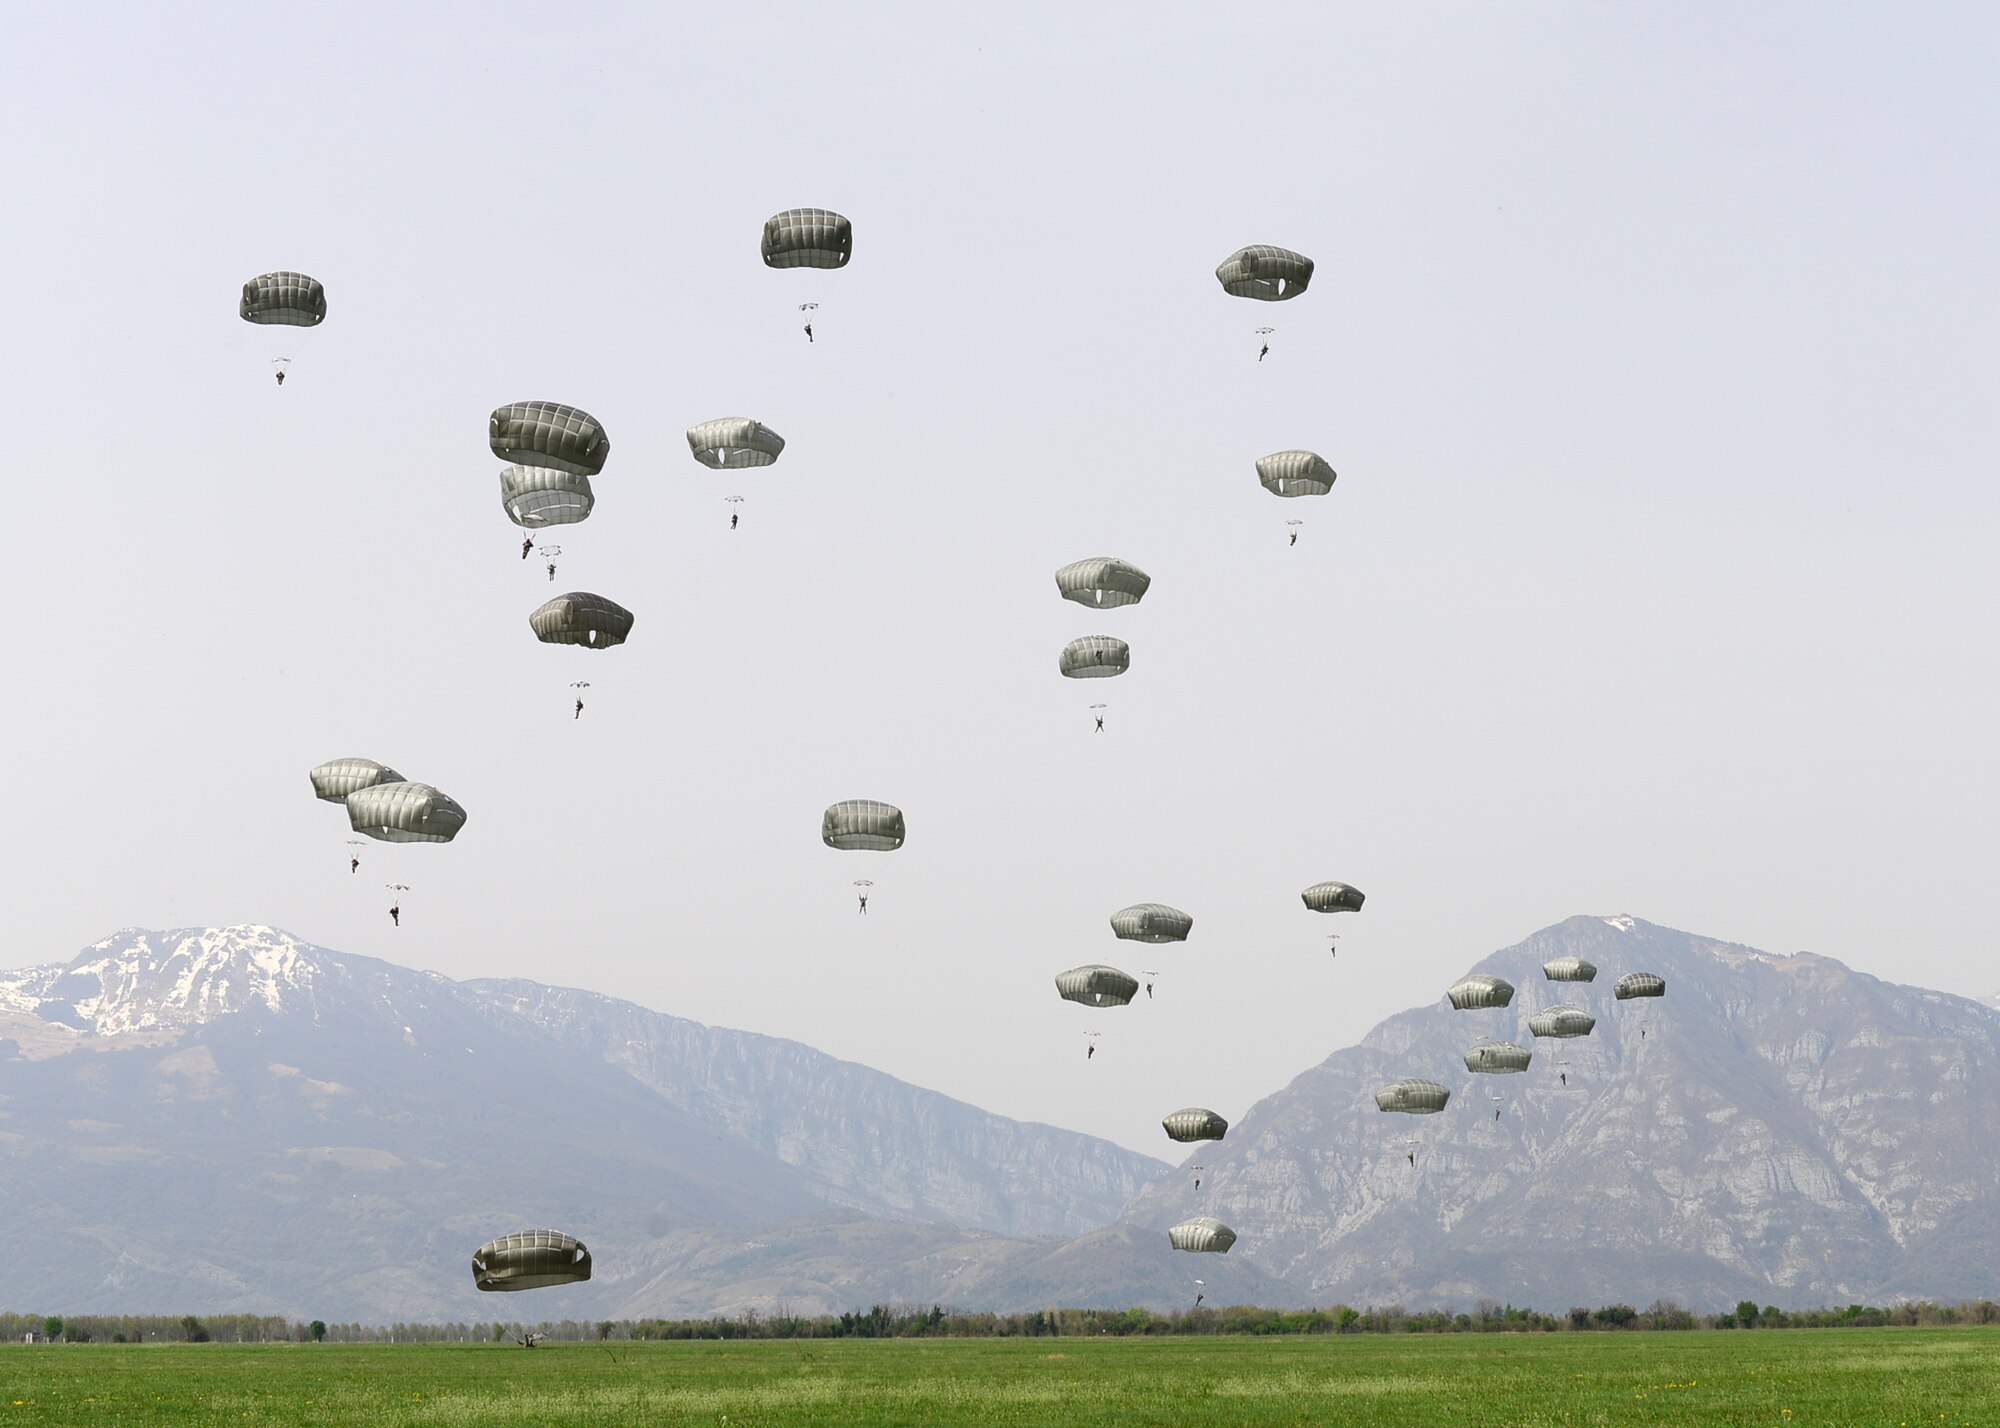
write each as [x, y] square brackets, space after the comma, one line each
[231, 1118]
[1776, 1128]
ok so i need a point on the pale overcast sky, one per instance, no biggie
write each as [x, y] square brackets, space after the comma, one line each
[1654, 346]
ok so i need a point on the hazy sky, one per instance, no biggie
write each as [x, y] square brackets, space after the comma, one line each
[1654, 346]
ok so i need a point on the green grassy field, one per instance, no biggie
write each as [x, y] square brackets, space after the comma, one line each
[1906, 1378]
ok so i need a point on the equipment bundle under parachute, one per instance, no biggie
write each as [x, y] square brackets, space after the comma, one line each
[1195, 1123]
[1412, 1096]
[1097, 985]
[1296, 473]
[530, 1259]
[1479, 992]
[1151, 922]
[283, 299]
[1103, 582]
[548, 434]
[581, 618]
[1204, 1234]
[1265, 272]
[734, 443]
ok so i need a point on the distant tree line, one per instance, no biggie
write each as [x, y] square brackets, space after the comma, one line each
[883, 1321]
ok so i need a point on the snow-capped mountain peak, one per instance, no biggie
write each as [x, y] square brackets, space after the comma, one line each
[139, 981]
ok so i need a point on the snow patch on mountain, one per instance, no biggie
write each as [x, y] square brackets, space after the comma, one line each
[139, 981]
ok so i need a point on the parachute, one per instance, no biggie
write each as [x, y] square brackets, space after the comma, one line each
[1204, 1234]
[335, 779]
[1412, 1096]
[1095, 657]
[1561, 1022]
[581, 618]
[1569, 969]
[283, 299]
[807, 238]
[1097, 985]
[1479, 992]
[734, 443]
[1264, 272]
[862, 825]
[531, 1259]
[537, 496]
[548, 434]
[1639, 984]
[1195, 1123]
[1151, 922]
[1498, 1057]
[1332, 897]
[1103, 582]
[1295, 473]
[405, 812]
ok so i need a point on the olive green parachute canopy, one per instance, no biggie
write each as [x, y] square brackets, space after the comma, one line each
[532, 1259]
[406, 812]
[335, 779]
[1103, 582]
[537, 496]
[283, 299]
[581, 618]
[1639, 984]
[861, 825]
[548, 434]
[1561, 1021]
[807, 238]
[1195, 1123]
[1569, 969]
[1498, 1057]
[1332, 897]
[1204, 1234]
[1478, 992]
[1413, 1096]
[1095, 657]
[1295, 473]
[1151, 922]
[734, 443]
[1265, 272]
[1097, 985]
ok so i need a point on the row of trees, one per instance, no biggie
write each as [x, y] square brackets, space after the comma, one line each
[884, 1321]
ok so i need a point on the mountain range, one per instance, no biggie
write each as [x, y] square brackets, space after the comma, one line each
[231, 1119]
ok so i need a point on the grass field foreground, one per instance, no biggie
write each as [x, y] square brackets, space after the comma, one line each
[1906, 1378]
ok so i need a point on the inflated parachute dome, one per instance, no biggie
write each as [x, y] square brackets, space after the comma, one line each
[531, 1259]
[1094, 657]
[1151, 922]
[1561, 1022]
[1103, 582]
[1097, 985]
[1296, 473]
[581, 618]
[283, 299]
[407, 812]
[1204, 1234]
[862, 825]
[1569, 969]
[1332, 897]
[1478, 992]
[1412, 1097]
[537, 496]
[1638, 984]
[548, 434]
[335, 779]
[807, 238]
[1195, 1123]
[1265, 272]
[734, 443]
[1498, 1057]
